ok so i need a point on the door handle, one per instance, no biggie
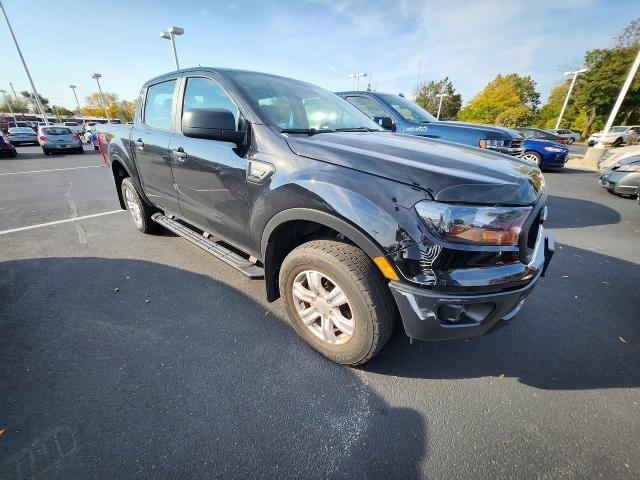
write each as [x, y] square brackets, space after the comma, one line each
[180, 154]
[140, 144]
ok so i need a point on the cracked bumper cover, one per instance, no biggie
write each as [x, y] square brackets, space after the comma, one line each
[424, 311]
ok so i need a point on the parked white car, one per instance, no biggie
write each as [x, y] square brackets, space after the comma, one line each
[570, 135]
[617, 136]
[75, 127]
[614, 155]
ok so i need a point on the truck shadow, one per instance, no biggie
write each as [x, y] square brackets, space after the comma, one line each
[578, 330]
[201, 381]
[567, 212]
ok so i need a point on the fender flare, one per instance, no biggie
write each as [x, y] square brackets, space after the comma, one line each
[357, 236]
[115, 157]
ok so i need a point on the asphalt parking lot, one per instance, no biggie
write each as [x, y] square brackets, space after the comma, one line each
[132, 356]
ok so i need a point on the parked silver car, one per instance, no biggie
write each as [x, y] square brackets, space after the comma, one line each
[20, 135]
[58, 139]
[570, 135]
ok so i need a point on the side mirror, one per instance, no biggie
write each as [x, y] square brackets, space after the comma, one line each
[385, 122]
[211, 124]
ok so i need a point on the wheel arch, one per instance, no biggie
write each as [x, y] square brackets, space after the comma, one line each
[279, 238]
[120, 172]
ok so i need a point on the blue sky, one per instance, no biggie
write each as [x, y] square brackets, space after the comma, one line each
[319, 41]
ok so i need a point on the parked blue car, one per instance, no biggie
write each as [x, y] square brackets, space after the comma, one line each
[398, 114]
[545, 153]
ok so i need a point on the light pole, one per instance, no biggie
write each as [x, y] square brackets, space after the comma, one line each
[4, 94]
[73, 87]
[24, 64]
[357, 77]
[575, 74]
[441, 95]
[170, 34]
[620, 99]
[97, 76]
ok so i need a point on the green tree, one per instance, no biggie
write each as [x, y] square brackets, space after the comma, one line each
[518, 116]
[630, 36]
[61, 111]
[9, 103]
[32, 105]
[597, 90]
[121, 109]
[425, 96]
[548, 114]
[503, 93]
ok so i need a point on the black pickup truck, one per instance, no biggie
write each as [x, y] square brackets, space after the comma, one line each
[350, 224]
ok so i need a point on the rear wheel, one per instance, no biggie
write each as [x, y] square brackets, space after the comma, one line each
[140, 211]
[533, 157]
[81, 150]
[618, 142]
[570, 140]
[45, 151]
[337, 300]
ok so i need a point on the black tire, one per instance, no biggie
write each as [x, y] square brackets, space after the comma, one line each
[45, 151]
[13, 154]
[373, 310]
[618, 142]
[144, 223]
[95, 147]
[81, 150]
[570, 140]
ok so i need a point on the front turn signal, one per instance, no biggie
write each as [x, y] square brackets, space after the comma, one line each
[386, 268]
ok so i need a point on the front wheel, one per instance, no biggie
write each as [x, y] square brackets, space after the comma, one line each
[533, 157]
[570, 140]
[618, 142]
[140, 211]
[337, 300]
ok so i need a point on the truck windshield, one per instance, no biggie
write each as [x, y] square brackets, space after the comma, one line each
[408, 110]
[296, 106]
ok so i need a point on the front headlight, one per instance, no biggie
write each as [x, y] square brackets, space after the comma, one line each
[554, 149]
[492, 143]
[477, 225]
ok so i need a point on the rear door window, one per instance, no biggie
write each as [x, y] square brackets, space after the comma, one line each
[159, 105]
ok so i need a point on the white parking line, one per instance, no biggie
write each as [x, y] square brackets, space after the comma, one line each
[52, 170]
[39, 225]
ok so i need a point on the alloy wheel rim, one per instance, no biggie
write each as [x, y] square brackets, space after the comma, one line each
[530, 158]
[133, 207]
[323, 307]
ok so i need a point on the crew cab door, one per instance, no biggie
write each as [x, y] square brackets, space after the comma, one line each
[210, 175]
[150, 138]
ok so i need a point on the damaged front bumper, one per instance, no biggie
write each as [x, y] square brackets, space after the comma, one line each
[429, 314]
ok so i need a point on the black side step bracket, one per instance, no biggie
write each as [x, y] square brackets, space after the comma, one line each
[229, 257]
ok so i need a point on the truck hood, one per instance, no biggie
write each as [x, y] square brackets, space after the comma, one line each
[448, 171]
[490, 130]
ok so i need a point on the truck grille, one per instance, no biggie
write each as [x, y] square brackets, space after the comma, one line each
[530, 230]
[516, 143]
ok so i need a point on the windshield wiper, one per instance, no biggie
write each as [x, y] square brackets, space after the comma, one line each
[308, 131]
[358, 129]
